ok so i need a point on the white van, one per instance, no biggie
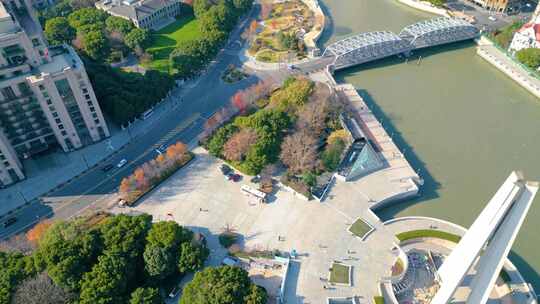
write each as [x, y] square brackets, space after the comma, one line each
[147, 114]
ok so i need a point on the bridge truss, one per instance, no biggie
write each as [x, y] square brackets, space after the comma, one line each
[371, 46]
[366, 47]
[438, 31]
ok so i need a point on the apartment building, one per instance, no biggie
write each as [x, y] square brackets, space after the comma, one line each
[500, 6]
[46, 99]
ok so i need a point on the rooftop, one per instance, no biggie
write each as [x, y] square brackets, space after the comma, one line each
[134, 10]
[61, 58]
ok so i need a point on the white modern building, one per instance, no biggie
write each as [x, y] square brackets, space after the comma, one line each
[469, 273]
[46, 98]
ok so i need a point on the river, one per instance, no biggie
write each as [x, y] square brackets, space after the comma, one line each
[461, 123]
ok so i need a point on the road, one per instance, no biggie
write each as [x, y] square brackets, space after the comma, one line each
[189, 109]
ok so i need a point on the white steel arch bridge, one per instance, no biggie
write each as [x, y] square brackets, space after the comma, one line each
[366, 47]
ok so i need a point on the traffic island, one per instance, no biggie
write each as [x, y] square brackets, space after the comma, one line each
[360, 228]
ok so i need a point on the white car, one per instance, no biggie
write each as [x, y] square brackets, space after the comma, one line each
[492, 18]
[121, 163]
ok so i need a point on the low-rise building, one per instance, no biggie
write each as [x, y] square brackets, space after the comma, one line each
[46, 98]
[500, 6]
[528, 36]
[145, 14]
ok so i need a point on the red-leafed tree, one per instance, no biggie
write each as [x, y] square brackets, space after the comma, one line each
[237, 146]
[239, 102]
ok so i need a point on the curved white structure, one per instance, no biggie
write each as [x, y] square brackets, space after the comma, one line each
[485, 246]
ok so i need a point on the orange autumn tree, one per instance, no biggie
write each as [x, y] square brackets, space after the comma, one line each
[35, 234]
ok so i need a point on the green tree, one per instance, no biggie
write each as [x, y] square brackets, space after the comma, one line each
[168, 234]
[145, 296]
[58, 31]
[200, 7]
[137, 38]
[192, 257]
[14, 269]
[119, 25]
[219, 138]
[67, 251]
[125, 235]
[107, 282]
[95, 45]
[242, 5]
[85, 16]
[159, 262]
[529, 57]
[221, 285]
[256, 295]
[189, 57]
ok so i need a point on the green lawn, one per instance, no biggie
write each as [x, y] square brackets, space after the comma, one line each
[339, 274]
[360, 228]
[378, 300]
[165, 40]
[428, 233]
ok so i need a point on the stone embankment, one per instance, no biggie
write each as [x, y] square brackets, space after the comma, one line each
[508, 66]
[310, 38]
[425, 6]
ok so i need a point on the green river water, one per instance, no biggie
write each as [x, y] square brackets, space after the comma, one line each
[463, 124]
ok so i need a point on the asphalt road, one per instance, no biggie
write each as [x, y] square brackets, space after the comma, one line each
[184, 121]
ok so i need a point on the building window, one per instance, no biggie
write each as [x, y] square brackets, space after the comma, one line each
[45, 94]
[57, 120]
[94, 115]
[92, 109]
[64, 133]
[54, 114]
[35, 42]
[49, 102]
[87, 96]
[85, 90]
[41, 87]
[96, 121]
[61, 126]
[89, 103]
[52, 108]
[8, 93]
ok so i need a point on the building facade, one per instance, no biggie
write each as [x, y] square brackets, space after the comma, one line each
[46, 99]
[500, 6]
[145, 14]
[528, 36]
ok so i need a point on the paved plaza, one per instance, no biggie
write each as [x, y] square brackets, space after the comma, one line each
[200, 198]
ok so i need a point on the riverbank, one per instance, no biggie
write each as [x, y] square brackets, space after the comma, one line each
[425, 6]
[489, 52]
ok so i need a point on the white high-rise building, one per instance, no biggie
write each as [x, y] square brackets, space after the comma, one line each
[46, 99]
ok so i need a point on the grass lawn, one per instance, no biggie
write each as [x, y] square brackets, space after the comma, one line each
[428, 233]
[360, 228]
[339, 274]
[378, 300]
[165, 40]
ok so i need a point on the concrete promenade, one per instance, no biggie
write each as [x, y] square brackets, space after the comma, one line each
[508, 66]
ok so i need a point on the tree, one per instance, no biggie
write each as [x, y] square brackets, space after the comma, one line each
[15, 268]
[137, 38]
[95, 44]
[119, 25]
[107, 282]
[219, 138]
[145, 296]
[86, 16]
[189, 57]
[223, 285]
[36, 233]
[168, 234]
[299, 152]
[67, 250]
[159, 262]
[125, 235]
[40, 290]
[266, 9]
[238, 145]
[192, 257]
[529, 57]
[256, 295]
[312, 116]
[58, 31]
[200, 7]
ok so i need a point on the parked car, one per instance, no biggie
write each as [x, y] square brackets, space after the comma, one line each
[256, 179]
[230, 261]
[492, 18]
[121, 163]
[121, 202]
[107, 167]
[234, 177]
[10, 221]
[174, 292]
[225, 169]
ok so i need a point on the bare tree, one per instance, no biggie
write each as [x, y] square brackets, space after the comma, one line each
[312, 116]
[40, 290]
[238, 145]
[299, 152]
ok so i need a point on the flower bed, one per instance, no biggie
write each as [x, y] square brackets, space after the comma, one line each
[152, 173]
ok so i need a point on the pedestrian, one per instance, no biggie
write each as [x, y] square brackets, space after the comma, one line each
[200, 209]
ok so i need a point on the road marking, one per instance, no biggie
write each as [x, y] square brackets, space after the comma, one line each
[177, 130]
[181, 127]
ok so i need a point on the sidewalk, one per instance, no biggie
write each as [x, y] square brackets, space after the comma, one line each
[53, 170]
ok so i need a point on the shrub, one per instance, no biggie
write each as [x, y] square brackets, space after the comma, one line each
[227, 239]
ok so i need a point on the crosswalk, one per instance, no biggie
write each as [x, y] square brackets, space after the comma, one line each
[172, 133]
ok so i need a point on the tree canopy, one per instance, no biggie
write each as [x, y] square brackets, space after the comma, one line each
[222, 285]
[58, 31]
[529, 57]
